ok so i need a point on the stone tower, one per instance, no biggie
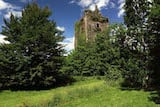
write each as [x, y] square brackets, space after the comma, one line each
[89, 26]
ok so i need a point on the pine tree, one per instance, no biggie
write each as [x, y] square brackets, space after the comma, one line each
[34, 49]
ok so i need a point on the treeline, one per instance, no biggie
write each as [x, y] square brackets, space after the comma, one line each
[130, 52]
[34, 58]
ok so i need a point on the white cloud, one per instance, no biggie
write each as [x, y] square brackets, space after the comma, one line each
[121, 9]
[2, 41]
[90, 4]
[102, 3]
[92, 7]
[61, 28]
[121, 5]
[15, 13]
[121, 13]
[85, 3]
[8, 8]
[68, 43]
[5, 5]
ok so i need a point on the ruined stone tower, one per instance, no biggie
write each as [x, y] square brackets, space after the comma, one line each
[89, 26]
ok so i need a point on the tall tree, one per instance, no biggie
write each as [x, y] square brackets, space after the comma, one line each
[135, 19]
[34, 45]
[136, 16]
[154, 41]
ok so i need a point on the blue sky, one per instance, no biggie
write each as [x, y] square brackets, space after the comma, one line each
[65, 12]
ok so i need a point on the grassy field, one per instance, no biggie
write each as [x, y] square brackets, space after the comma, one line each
[88, 93]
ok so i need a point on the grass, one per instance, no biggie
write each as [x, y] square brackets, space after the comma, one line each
[88, 93]
[113, 97]
[20, 98]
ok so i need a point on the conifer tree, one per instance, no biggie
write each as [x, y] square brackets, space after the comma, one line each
[34, 56]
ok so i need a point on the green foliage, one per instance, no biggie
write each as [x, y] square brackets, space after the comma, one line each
[113, 73]
[153, 42]
[135, 63]
[81, 38]
[136, 46]
[81, 62]
[94, 59]
[136, 16]
[113, 55]
[134, 74]
[34, 56]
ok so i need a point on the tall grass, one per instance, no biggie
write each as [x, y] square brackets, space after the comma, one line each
[65, 97]
[86, 92]
[42, 97]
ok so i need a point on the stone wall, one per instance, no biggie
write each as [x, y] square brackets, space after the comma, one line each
[89, 26]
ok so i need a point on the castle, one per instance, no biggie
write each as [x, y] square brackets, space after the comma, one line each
[89, 26]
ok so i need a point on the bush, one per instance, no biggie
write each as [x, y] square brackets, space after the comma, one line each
[113, 73]
[134, 74]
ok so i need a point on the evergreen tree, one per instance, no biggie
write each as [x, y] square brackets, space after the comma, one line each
[34, 56]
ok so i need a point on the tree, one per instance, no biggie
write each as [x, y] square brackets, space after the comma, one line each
[94, 59]
[135, 19]
[81, 61]
[136, 16]
[154, 42]
[34, 56]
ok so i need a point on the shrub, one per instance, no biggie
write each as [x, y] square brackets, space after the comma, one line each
[113, 73]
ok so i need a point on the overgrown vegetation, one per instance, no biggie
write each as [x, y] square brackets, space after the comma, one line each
[129, 53]
[153, 42]
[80, 40]
[124, 51]
[84, 93]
